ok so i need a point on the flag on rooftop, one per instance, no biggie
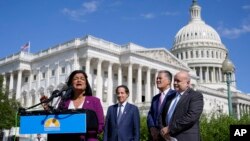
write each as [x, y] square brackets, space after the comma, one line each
[25, 47]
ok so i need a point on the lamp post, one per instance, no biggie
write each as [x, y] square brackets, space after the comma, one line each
[228, 69]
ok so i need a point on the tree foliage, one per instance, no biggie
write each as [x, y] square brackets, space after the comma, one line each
[8, 108]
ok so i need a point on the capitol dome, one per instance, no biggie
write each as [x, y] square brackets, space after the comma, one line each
[196, 31]
[200, 46]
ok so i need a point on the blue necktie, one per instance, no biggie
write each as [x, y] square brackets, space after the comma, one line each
[172, 108]
[119, 113]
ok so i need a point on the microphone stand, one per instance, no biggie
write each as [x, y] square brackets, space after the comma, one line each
[54, 94]
[23, 110]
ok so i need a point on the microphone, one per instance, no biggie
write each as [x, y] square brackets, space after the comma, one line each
[67, 92]
[57, 93]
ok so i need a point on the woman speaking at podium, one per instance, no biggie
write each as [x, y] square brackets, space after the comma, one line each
[81, 98]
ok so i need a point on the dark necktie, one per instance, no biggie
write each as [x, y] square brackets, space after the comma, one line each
[119, 113]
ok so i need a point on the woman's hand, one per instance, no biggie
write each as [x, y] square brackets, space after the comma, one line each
[44, 105]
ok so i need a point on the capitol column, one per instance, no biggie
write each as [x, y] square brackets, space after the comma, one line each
[99, 91]
[87, 70]
[148, 87]
[39, 79]
[4, 80]
[184, 55]
[189, 52]
[48, 77]
[119, 74]
[18, 87]
[238, 111]
[37, 97]
[76, 62]
[248, 109]
[201, 74]
[233, 79]
[11, 84]
[241, 113]
[220, 75]
[110, 84]
[68, 67]
[139, 85]
[130, 82]
[155, 85]
[207, 75]
[213, 75]
[57, 73]
[29, 102]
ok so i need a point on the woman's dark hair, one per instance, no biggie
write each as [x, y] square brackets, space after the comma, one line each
[122, 86]
[88, 90]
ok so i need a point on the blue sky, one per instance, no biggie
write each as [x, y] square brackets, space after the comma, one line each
[150, 23]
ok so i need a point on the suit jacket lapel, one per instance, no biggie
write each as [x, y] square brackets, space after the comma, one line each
[183, 97]
[170, 98]
[168, 95]
[115, 112]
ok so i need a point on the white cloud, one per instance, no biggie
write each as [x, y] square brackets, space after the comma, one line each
[148, 16]
[170, 13]
[115, 3]
[246, 7]
[78, 14]
[234, 32]
[90, 6]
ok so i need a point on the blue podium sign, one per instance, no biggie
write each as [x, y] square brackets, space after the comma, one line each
[53, 124]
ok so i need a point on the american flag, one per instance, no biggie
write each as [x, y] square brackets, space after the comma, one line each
[25, 47]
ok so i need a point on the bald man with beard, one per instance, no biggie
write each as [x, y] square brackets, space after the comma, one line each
[181, 113]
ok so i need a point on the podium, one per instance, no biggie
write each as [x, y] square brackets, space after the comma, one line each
[59, 125]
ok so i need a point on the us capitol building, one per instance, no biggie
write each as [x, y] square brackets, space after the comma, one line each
[197, 48]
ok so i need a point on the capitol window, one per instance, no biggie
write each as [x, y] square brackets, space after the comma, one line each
[95, 71]
[63, 70]
[52, 72]
[115, 76]
[83, 68]
[44, 75]
[105, 74]
[34, 77]
[26, 79]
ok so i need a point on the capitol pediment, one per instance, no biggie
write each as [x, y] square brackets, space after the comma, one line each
[162, 55]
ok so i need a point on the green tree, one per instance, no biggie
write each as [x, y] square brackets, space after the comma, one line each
[8, 108]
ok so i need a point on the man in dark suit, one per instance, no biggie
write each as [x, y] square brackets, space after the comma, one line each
[181, 114]
[163, 82]
[122, 119]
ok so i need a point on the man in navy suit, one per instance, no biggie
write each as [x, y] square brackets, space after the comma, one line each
[163, 82]
[122, 119]
[180, 115]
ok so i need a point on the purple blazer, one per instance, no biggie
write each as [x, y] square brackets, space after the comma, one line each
[91, 103]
